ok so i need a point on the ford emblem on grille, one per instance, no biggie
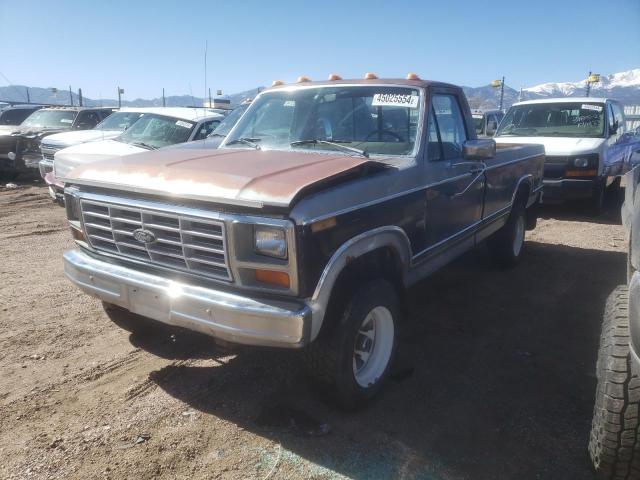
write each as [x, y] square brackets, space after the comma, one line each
[144, 236]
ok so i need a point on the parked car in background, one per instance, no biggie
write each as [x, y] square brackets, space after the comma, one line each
[586, 143]
[215, 138]
[25, 146]
[16, 114]
[486, 122]
[303, 229]
[614, 444]
[10, 118]
[110, 127]
[157, 128]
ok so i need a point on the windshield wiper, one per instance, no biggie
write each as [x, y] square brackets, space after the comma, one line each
[315, 141]
[144, 145]
[247, 141]
[214, 134]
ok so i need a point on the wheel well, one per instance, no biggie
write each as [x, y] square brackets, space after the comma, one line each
[384, 262]
[522, 194]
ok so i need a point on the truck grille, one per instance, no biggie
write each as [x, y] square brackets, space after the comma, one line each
[185, 243]
[48, 151]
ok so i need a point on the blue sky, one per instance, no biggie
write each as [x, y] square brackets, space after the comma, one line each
[144, 46]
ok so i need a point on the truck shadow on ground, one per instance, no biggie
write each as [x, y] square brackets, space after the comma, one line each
[582, 211]
[495, 378]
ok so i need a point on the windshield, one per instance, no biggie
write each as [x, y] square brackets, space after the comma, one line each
[478, 123]
[157, 131]
[229, 121]
[554, 120]
[367, 119]
[50, 119]
[119, 121]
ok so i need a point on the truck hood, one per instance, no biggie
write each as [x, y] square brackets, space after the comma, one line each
[66, 139]
[69, 158]
[235, 176]
[558, 145]
[8, 129]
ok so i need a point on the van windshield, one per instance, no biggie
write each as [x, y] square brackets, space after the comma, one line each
[371, 119]
[50, 119]
[570, 119]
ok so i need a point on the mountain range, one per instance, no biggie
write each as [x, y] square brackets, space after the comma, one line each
[623, 86]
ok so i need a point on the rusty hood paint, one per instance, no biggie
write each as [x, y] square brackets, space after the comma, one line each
[235, 176]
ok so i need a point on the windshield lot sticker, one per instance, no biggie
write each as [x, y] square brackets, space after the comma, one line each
[66, 120]
[180, 123]
[395, 100]
[595, 108]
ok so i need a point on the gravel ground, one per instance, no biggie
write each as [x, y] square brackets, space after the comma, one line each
[495, 378]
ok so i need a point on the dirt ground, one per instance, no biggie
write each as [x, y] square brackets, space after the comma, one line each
[495, 378]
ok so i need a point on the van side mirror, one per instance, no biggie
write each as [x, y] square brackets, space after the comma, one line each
[480, 149]
[492, 126]
[613, 129]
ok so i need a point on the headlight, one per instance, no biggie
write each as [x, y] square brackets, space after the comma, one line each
[581, 162]
[270, 241]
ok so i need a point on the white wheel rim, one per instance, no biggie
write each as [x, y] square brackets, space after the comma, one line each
[518, 238]
[373, 346]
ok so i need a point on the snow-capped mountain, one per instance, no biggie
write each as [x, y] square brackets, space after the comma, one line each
[623, 86]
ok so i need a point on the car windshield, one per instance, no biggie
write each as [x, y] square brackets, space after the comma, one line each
[570, 119]
[119, 121]
[156, 131]
[50, 119]
[478, 124]
[367, 119]
[229, 121]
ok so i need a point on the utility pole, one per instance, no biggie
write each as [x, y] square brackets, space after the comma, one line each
[210, 104]
[80, 96]
[120, 92]
[70, 96]
[28, 99]
[588, 84]
[164, 103]
[501, 92]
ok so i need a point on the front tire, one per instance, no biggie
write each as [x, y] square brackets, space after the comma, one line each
[507, 244]
[350, 362]
[613, 444]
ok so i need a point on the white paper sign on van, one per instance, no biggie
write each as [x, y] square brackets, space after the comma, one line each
[395, 100]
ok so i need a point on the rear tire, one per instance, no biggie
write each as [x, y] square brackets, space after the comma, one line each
[349, 363]
[597, 201]
[507, 244]
[613, 444]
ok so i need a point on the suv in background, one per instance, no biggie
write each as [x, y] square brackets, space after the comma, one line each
[16, 114]
[25, 148]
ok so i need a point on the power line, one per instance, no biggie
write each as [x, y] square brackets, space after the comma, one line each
[11, 85]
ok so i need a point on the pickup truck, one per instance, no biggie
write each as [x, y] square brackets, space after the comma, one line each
[586, 143]
[614, 444]
[303, 230]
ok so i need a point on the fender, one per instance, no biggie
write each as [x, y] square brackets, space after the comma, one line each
[525, 179]
[387, 236]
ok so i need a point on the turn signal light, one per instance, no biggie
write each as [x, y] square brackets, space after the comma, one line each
[303, 78]
[77, 234]
[370, 76]
[413, 76]
[334, 76]
[279, 279]
[277, 83]
[582, 173]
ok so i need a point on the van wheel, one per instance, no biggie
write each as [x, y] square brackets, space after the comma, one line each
[507, 244]
[613, 444]
[349, 363]
[597, 201]
[132, 322]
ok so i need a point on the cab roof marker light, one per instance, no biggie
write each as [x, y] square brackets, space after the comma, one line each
[277, 83]
[413, 76]
[334, 76]
[303, 78]
[370, 76]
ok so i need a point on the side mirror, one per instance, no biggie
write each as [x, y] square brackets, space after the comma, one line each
[638, 131]
[492, 126]
[480, 149]
[613, 129]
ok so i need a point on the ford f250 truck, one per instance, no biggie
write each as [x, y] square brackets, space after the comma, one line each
[324, 202]
[586, 143]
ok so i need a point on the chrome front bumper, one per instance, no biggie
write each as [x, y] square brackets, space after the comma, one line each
[228, 316]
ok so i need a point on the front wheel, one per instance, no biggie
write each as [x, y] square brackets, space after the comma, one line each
[613, 445]
[507, 244]
[350, 362]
